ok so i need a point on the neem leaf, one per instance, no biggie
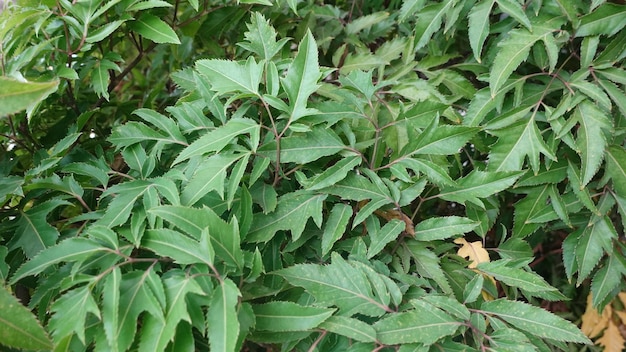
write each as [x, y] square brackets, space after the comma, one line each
[70, 312]
[338, 284]
[289, 316]
[231, 76]
[335, 225]
[478, 26]
[607, 19]
[535, 320]
[349, 327]
[303, 148]
[16, 96]
[261, 38]
[155, 29]
[440, 228]
[528, 281]
[18, 326]
[182, 249]
[222, 317]
[590, 140]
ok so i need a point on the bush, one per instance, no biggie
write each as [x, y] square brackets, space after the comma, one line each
[294, 175]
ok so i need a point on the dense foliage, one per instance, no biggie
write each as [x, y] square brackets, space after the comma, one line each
[307, 175]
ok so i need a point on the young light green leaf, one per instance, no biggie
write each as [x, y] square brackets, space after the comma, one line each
[616, 94]
[349, 327]
[217, 139]
[535, 320]
[222, 317]
[338, 284]
[607, 19]
[335, 226]
[18, 326]
[231, 76]
[292, 213]
[440, 228]
[70, 312]
[16, 96]
[288, 316]
[72, 249]
[301, 79]
[425, 324]
[261, 38]
[591, 141]
[155, 29]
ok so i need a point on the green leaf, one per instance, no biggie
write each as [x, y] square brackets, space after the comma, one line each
[335, 226]
[607, 19]
[427, 264]
[261, 38]
[180, 248]
[349, 327]
[527, 281]
[333, 174]
[408, 9]
[156, 333]
[526, 209]
[616, 168]
[72, 249]
[70, 312]
[148, 4]
[425, 324]
[482, 103]
[155, 29]
[209, 176]
[448, 305]
[303, 148]
[289, 316]
[33, 232]
[126, 194]
[231, 76]
[435, 173]
[606, 280]
[515, 143]
[301, 79]
[104, 31]
[162, 123]
[535, 320]
[110, 306]
[479, 184]
[16, 96]
[137, 132]
[217, 139]
[440, 228]
[137, 296]
[515, 10]
[222, 317]
[338, 284]
[292, 213]
[581, 192]
[429, 20]
[380, 237]
[616, 94]
[590, 140]
[440, 139]
[18, 326]
[595, 239]
[478, 26]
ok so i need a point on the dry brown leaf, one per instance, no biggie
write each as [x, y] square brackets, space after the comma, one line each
[612, 339]
[622, 297]
[473, 251]
[593, 322]
[622, 316]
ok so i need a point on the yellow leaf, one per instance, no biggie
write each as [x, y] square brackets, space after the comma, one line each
[593, 322]
[622, 297]
[612, 339]
[622, 316]
[473, 251]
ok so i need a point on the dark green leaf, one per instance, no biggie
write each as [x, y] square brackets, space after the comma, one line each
[155, 29]
[18, 326]
[222, 317]
[289, 316]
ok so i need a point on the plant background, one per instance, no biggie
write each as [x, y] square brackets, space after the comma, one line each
[312, 175]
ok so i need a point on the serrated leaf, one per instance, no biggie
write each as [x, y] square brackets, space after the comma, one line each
[591, 140]
[209, 176]
[616, 168]
[137, 132]
[110, 306]
[592, 244]
[527, 281]
[482, 103]
[103, 32]
[333, 174]
[33, 232]
[409, 8]
[421, 325]
[125, 196]
[515, 10]
[137, 296]
[607, 19]
[527, 208]
[162, 123]
[231, 76]
[292, 213]
[429, 20]
[478, 26]
[616, 94]
[222, 315]
[148, 4]
[435, 173]
[349, 327]
[535, 320]
[18, 326]
[337, 284]
[261, 38]
[72, 249]
[440, 228]
[288, 316]
[515, 143]
[612, 340]
[70, 312]
[16, 96]
[440, 139]
[606, 280]
[381, 237]
[173, 244]
[428, 264]
[335, 226]
[303, 148]
[155, 29]
[479, 184]
[302, 77]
